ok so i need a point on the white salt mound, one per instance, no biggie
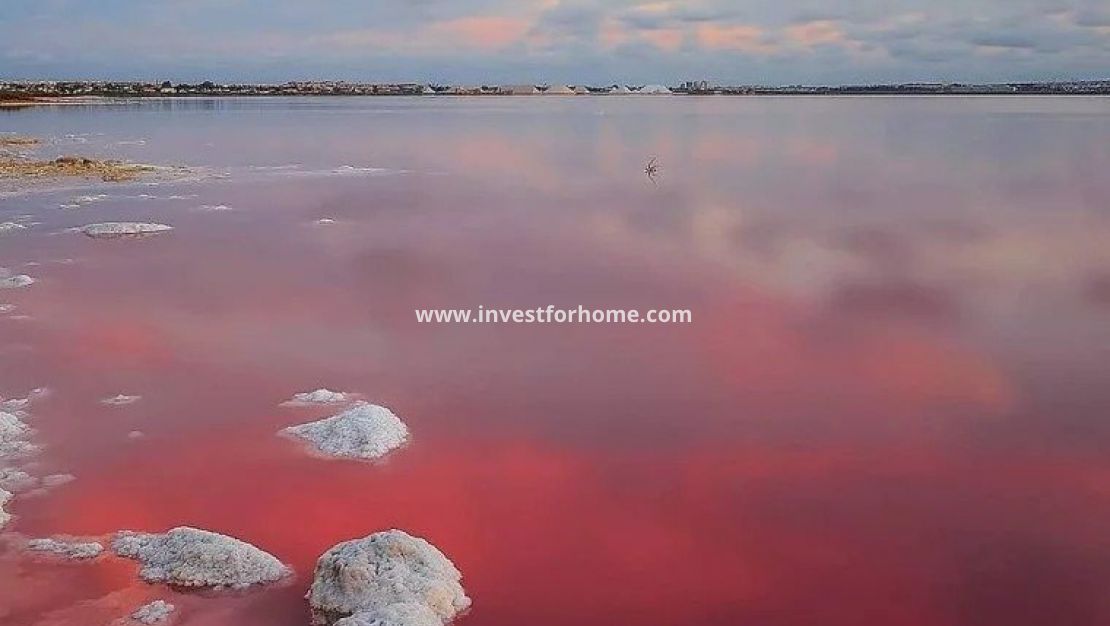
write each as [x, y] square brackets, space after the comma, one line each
[15, 282]
[123, 229]
[75, 550]
[189, 557]
[364, 431]
[5, 517]
[120, 400]
[387, 579]
[153, 613]
[320, 396]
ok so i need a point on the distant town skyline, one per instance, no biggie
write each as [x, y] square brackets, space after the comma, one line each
[770, 42]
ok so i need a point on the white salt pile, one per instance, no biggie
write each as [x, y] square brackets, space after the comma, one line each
[120, 400]
[5, 517]
[364, 431]
[107, 230]
[152, 613]
[389, 578]
[320, 396]
[189, 557]
[75, 550]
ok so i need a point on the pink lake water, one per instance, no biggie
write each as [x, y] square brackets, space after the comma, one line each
[891, 406]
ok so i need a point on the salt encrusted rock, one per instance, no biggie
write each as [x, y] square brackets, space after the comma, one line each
[10, 226]
[189, 557]
[5, 517]
[14, 436]
[405, 614]
[76, 550]
[120, 400]
[152, 613]
[123, 229]
[320, 396]
[364, 431]
[389, 578]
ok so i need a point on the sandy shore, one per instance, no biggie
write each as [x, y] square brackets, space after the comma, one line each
[8, 101]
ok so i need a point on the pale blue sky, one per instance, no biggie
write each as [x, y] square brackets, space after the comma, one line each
[592, 41]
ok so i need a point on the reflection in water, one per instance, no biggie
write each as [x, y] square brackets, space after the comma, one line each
[889, 409]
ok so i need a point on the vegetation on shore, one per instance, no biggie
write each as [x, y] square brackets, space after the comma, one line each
[71, 166]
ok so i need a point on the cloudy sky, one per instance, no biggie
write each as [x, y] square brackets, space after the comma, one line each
[593, 41]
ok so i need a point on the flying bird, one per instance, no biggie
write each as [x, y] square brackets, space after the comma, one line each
[652, 169]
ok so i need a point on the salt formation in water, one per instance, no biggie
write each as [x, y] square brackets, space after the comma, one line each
[120, 400]
[123, 229]
[214, 207]
[152, 613]
[14, 479]
[14, 436]
[14, 281]
[320, 396]
[388, 578]
[189, 557]
[10, 226]
[5, 517]
[364, 431]
[405, 614]
[57, 480]
[136, 434]
[325, 221]
[75, 550]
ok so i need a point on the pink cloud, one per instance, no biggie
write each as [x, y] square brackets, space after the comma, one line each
[489, 32]
[742, 37]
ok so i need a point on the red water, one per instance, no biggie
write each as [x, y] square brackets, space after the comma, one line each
[890, 408]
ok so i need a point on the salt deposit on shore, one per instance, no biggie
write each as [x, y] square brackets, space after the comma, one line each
[153, 613]
[74, 550]
[7, 227]
[15, 437]
[189, 557]
[5, 517]
[388, 578]
[319, 396]
[16, 480]
[121, 400]
[364, 431]
[109, 230]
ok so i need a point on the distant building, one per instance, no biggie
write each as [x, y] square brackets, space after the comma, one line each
[655, 90]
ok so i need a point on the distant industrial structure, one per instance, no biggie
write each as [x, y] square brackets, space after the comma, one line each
[45, 89]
